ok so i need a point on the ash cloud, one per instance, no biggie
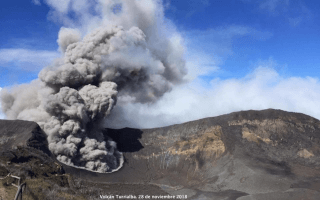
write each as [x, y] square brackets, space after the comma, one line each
[123, 60]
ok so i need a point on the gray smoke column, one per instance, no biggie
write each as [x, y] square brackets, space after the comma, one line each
[73, 96]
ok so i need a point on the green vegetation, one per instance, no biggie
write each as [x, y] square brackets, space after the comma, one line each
[54, 187]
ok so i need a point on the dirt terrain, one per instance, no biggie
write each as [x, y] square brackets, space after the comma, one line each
[248, 155]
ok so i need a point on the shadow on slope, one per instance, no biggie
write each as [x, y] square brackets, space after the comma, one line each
[127, 139]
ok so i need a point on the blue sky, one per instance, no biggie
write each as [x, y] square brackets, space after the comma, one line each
[236, 33]
[229, 45]
[242, 33]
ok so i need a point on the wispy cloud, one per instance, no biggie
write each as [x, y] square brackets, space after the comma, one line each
[196, 6]
[26, 59]
[207, 50]
[273, 5]
[299, 14]
[218, 42]
[199, 2]
[295, 11]
[233, 31]
[36, 2]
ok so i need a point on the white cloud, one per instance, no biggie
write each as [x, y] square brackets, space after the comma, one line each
[26, 59]
[36, 2]
[261, 89]
[200, 64]
[60, 5]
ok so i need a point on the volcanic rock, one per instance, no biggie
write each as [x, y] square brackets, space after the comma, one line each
[269, 154]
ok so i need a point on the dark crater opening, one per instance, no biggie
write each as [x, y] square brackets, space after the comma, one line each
[127, 139]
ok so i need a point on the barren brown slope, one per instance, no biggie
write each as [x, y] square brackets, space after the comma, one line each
[269, 154]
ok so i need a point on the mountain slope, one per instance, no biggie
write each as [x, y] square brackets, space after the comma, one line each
[242, 155]
[247, 155]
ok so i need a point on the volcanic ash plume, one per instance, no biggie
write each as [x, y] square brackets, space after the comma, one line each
[74, 95]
